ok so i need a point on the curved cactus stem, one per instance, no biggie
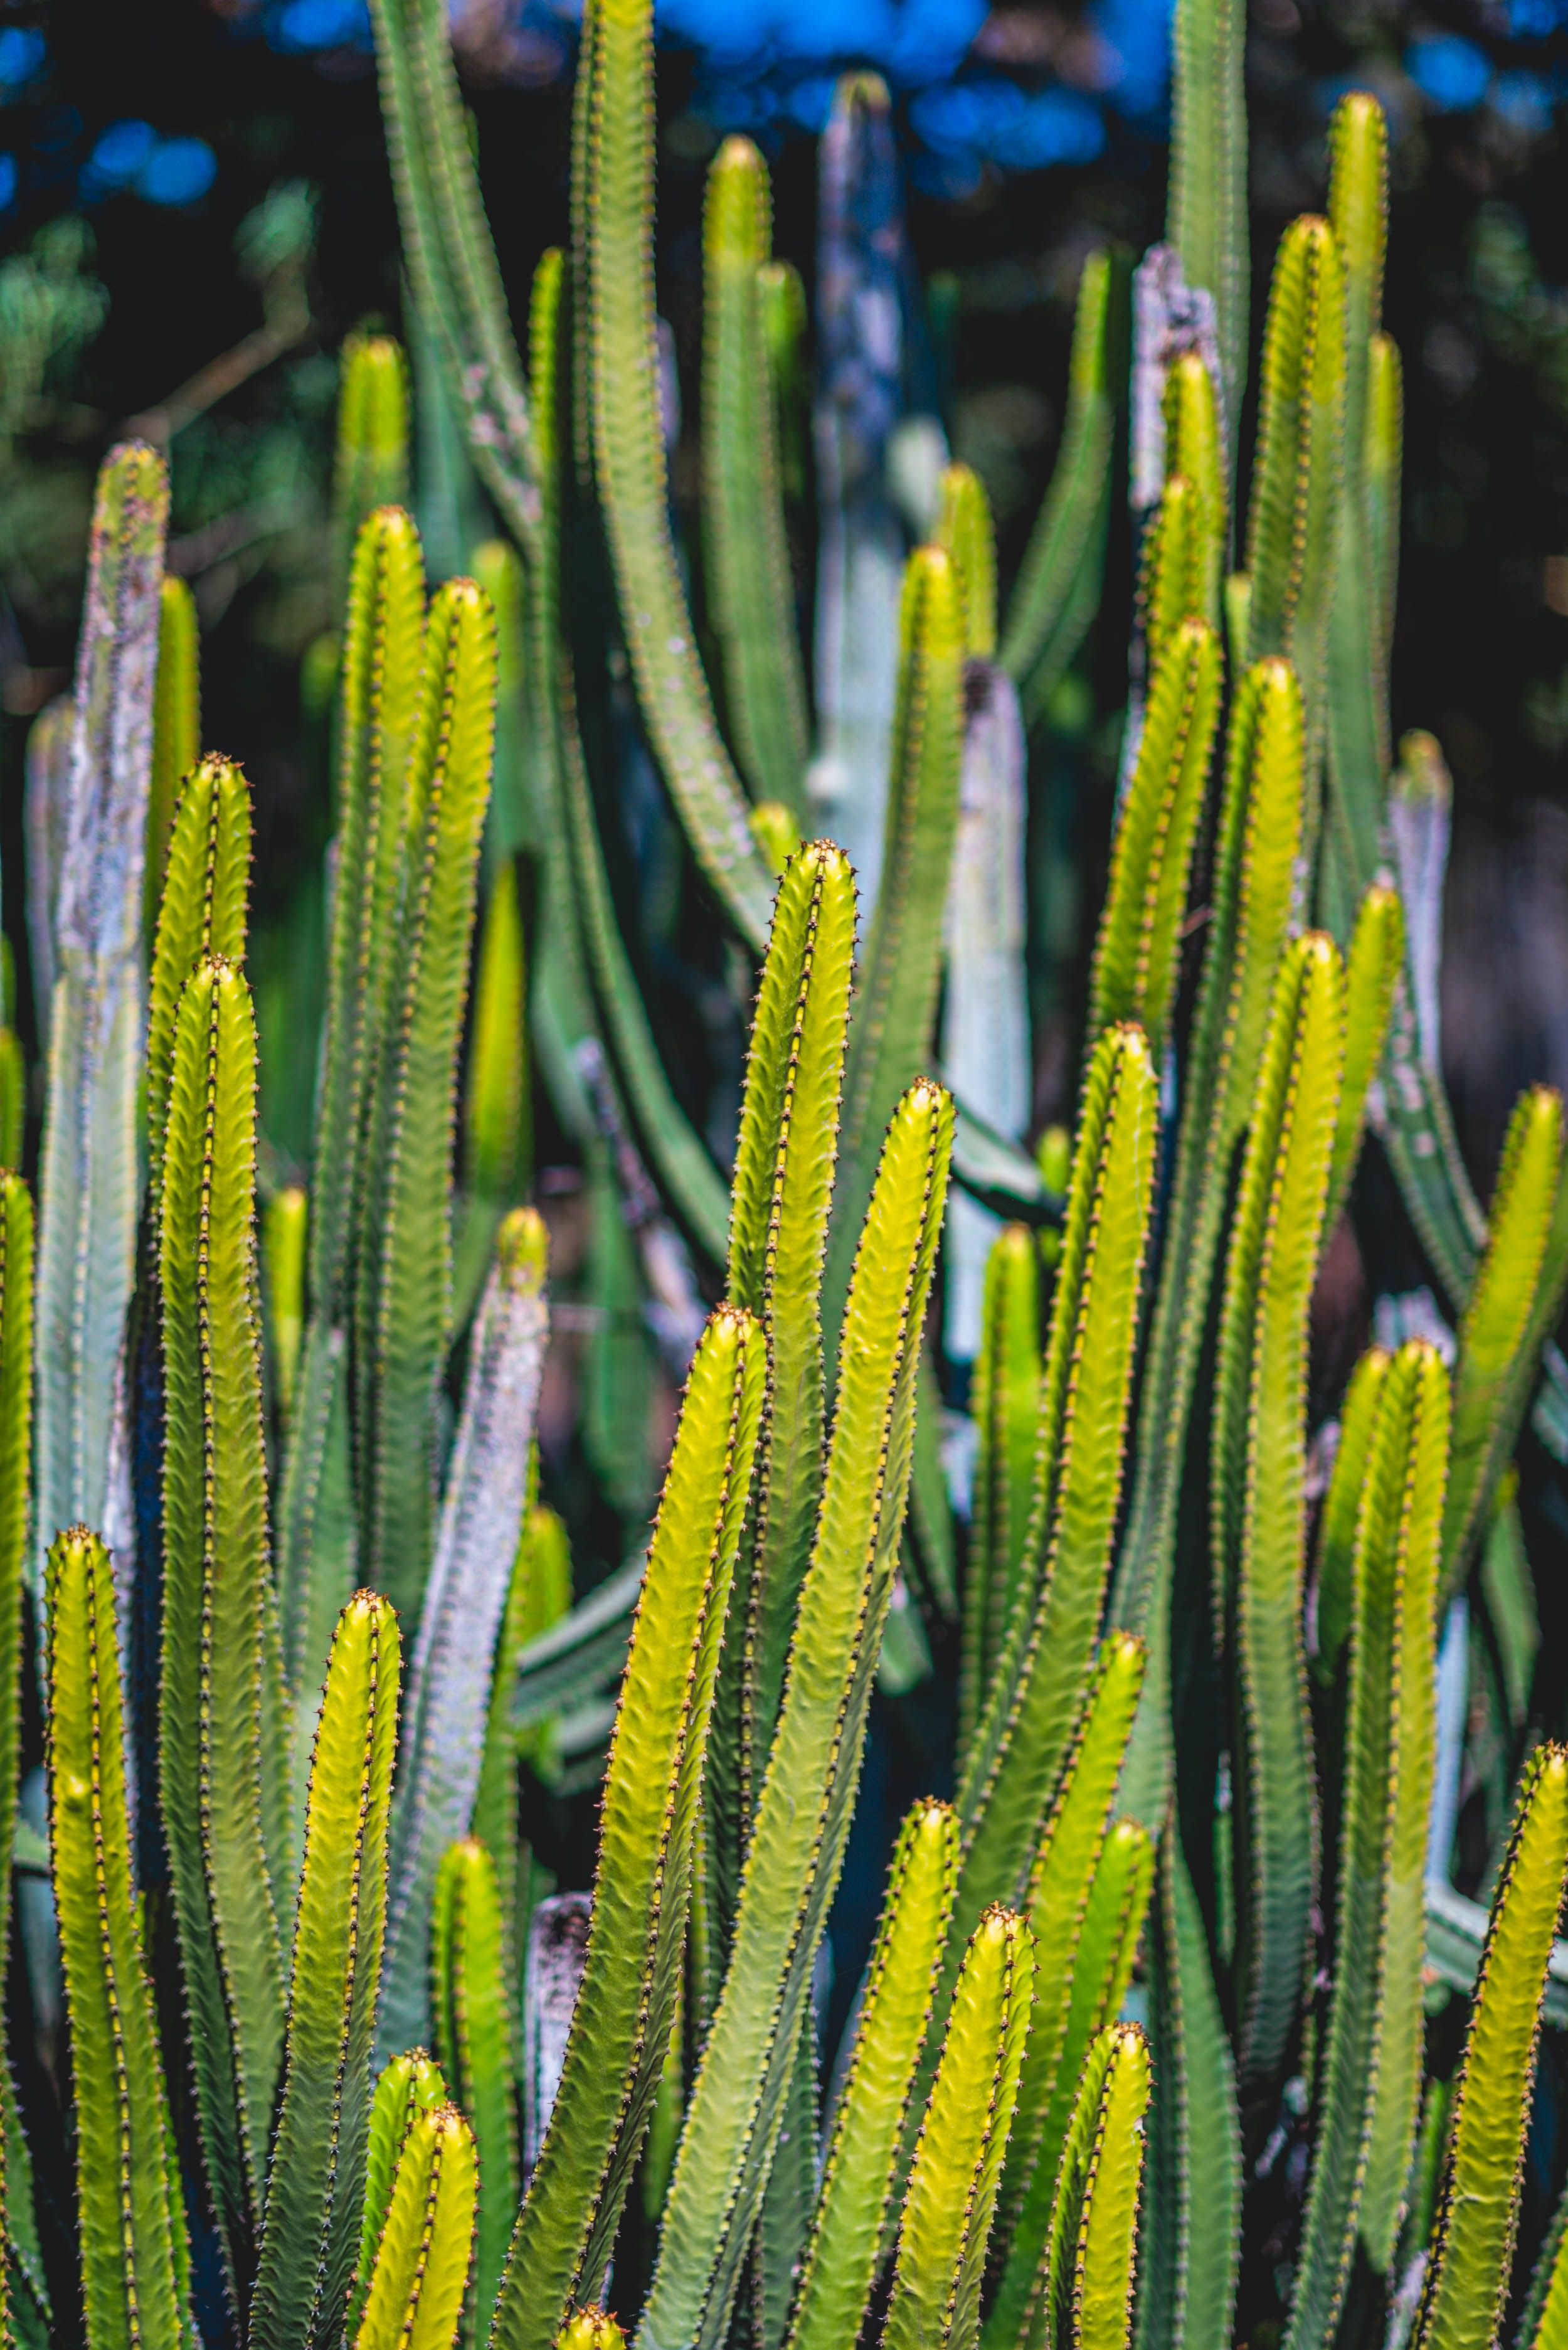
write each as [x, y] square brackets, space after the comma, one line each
[538, 1595]
[216, 1581]
[1253, 883]
[472, 1997]
[751, 593]
[850, 2227]
[465, 1598]
[1371, 2068]
[310, 2227]
[1068, 538]
[135, 2259]
[89, 1188]
[1524, 1261]
[410, 2085]
[370, 459]
[1193, 2225]
[891, 1032]
[1084, 2298]
[176, 736]
[958, 2157]
[1073, 1962]
[1259, 1504]
[1005, 1403]
[802, 1824]
[1477, 2214]
[621, 2022]
[615, 200]
[403, 1303]
[1135, 966]
[415, 2297]
[590, 2329]
[1015, 1760]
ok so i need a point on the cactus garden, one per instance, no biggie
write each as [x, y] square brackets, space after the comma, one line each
[669, 1675]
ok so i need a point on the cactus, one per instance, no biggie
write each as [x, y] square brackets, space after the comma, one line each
[135, 2258]
[963, 2141]
[850, 2219]
[1171, 1730]
[474, 2038]
[746, 555]
[89, 1187]
[216, 1588]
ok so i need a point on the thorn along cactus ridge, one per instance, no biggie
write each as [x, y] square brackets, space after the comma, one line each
[445, 1757]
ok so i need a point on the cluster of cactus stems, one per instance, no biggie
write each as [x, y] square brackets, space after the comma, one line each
[1174, 2028]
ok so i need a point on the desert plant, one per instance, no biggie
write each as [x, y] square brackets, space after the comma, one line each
[1140, 2045]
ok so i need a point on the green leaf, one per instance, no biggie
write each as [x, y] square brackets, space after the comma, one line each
[1259, 1498]
[310, 2228]
[471, 1998]
[807, 1796]
[134, 2259]
[957, 2173]
[216, 1585]
[751, 593]
[621, 2022]
[1135, 966]
[1478, 2215]
[414, 2301]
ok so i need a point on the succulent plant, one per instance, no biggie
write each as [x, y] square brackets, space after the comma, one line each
[1174, 2026]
